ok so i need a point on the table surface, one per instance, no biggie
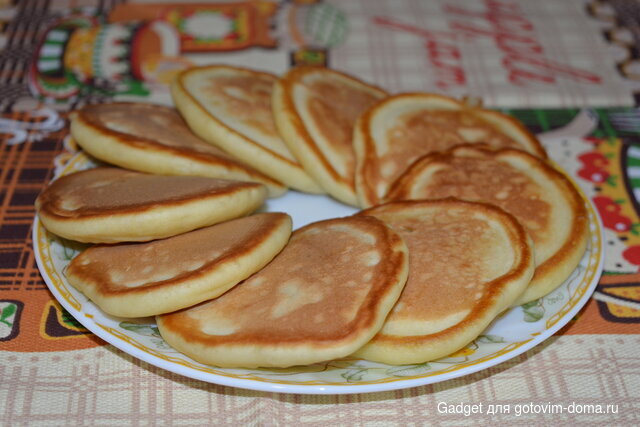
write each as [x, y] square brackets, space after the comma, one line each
[566, 69]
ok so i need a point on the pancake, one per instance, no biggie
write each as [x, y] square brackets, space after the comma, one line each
[401, 128]
[230, 107]
[109, 205]
[155, 139]
[541, 198]
[324, 296]
[150, 278]
[467, 263]
[315, 110]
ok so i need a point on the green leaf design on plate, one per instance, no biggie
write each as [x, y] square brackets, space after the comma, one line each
[295, 370]
[356, 373]
[161, 343]
[554, 298]
[149, 331]
[6, 313]
[70, 248]
[409, 370]
[146, 330]
[489, 339]
[533, 311]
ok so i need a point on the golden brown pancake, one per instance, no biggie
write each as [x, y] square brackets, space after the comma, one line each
[146, 279]
[108, 205]
[467, 263]
[541, 198]
[401, 128]
[155, 139]
[230, 107]
[315, 110]
[325, 295]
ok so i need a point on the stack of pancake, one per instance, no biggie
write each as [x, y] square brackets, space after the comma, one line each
[464, 217]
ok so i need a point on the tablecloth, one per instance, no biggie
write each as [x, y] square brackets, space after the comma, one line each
[569, 70]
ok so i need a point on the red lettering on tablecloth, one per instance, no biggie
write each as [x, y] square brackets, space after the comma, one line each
[512, 33]
[443, 55]
[446, 60]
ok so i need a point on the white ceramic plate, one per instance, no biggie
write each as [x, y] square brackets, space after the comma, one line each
[513, 333]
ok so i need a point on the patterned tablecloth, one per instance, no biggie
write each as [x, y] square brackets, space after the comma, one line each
[570, 70]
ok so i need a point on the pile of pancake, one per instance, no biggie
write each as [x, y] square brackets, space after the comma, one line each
[463, 217]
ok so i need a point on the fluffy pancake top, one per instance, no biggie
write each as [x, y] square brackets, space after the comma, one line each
[247, 100]
[147, 122]
[230, 107]
[312, 282]
[322, 297]
[104, 191]
[395, 132]
[329, 103]
[540, 197]
[161, 276]
[465, 248]
[457, 283]
[134, 267]
[155, 139]
[468, 262]
[240, 99]
[316, 109]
